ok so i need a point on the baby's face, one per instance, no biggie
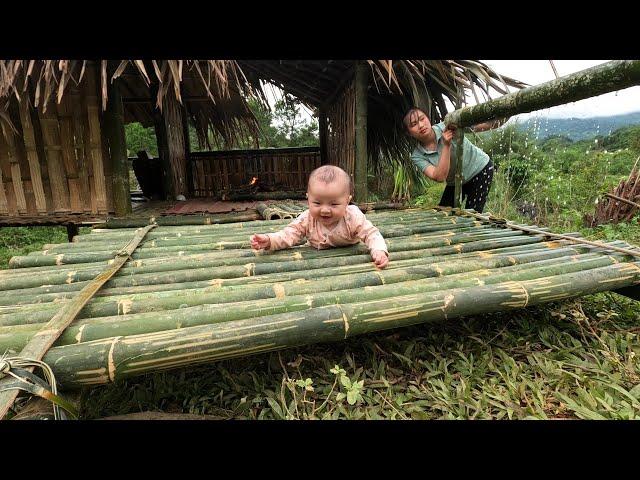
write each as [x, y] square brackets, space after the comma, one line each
[328, 201]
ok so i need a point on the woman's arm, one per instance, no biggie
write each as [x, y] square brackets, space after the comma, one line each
[439, 173]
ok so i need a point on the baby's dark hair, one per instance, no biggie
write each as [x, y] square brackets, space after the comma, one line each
[329, 174]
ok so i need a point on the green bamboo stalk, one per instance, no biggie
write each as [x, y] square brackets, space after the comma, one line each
[255, 268]
[608, 77]
[109, 359]
[185, 316]
[36, 294]
[174, 240]
[130, 304]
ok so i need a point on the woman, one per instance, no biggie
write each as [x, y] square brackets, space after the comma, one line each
[435, 157]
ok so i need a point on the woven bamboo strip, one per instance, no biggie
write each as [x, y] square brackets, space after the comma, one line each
[93, 143]
[57, 174]
[65, 119]
[77, 117]
[28, 136]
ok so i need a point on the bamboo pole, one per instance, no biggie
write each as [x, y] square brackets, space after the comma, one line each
[360, 171]
[605, 78]
[459, 142]
[93, 142]
[354, 287]
[109, 359]
[16, 174]
[45, 337]
[55, 292]
[28, 136]
[332, 255]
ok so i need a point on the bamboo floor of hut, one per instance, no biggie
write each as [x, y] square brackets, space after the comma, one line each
[193, 294]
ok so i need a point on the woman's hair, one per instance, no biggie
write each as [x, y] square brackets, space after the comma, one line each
[329, 174]
[410, 113]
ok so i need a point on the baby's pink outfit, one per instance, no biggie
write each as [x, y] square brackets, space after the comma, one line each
[349, 230]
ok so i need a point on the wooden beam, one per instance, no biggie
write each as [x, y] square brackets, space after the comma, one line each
[114, 132]
[360, 170]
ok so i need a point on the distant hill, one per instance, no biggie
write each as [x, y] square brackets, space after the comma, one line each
[580, 128]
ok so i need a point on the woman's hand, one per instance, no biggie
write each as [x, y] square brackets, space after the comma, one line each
[380, 258]
[447, 135]
[260, 242]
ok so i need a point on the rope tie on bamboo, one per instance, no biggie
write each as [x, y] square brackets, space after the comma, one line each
[28, 382]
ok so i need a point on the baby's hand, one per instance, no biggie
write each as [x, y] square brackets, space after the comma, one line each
[380, 258]
[260, 241]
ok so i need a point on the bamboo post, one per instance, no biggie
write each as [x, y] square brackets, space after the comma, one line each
[52, 146]
[605, 78]
[4, 205]
[114, 131]
[174, 129]
[459, 142]
[322, 132]
[163, 149]
[16, 174]
[360, 170]
[65, 118]
[28, 136]
[93, 141]
[78, 117]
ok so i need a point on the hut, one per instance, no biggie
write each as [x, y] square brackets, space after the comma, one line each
[63, 156]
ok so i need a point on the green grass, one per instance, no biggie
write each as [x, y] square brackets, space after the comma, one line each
[22, 240]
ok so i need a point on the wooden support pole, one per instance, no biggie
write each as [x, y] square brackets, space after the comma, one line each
[605, 78]
[459, 142]
[114, 132]
[360, 170]
[174, 130]
[322, 132]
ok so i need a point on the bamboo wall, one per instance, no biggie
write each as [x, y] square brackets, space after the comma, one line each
[56, 167]
[282, 169]
[341, 116]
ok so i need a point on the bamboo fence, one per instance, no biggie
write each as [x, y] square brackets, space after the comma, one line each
[192, 294]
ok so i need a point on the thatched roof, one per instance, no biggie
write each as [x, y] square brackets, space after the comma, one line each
[216, 91]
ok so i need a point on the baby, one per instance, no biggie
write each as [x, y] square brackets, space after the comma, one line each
[330, 221]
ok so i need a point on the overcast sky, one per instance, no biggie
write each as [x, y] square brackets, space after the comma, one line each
[535, 72]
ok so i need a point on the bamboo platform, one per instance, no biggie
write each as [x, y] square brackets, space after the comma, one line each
[197, 293]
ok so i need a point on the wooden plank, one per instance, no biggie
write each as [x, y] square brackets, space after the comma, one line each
[57, 175]
[16, 175]
[65, 120]
[7, 183]
[94, 145]
[4, 206]
[79, 119]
